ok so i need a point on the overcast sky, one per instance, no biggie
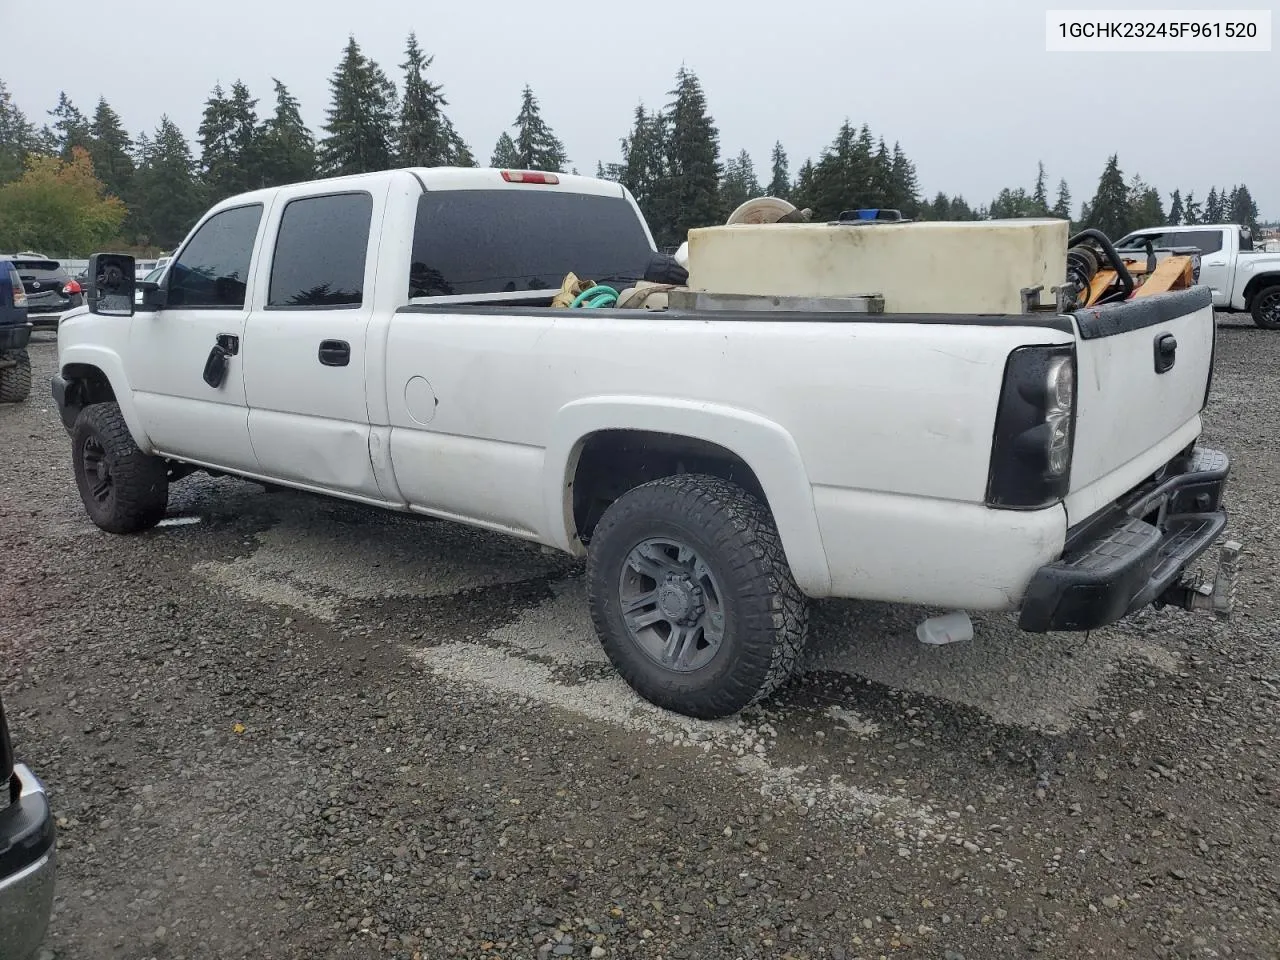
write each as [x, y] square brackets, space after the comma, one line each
[967, 88]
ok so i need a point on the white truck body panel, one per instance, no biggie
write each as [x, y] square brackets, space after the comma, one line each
[871, 438]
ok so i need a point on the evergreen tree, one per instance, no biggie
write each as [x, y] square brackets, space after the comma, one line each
[361, 117]
[110, 149]
[780, 180]
[172, 197]
[690, 191]
[1213, 207]
[881, 177]
[843, 175]
[505, 156]
[286, 146]
[739, 183]
[459, 153]
[242, 109]
[804, 189]
[536, 146]
[425, 137]
[1109, 209]
[17, 137]
[643, 164]
[905, 186]
[1010, 204]
[1040, 196]
[1191, 210]
[938, 209]
[70, 128]
[1145, 209]
[1243, 210]
[1175, 209]
[1062, 206]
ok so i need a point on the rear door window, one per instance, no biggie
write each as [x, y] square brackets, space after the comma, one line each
[213, 271]
[320, 252]
[470, 242]
[1206, 241]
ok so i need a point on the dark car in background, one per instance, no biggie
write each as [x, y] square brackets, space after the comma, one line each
[51, 290]
[15, 334]
[27, 844]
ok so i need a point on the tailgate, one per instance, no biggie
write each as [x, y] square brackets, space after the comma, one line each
[1135, 409]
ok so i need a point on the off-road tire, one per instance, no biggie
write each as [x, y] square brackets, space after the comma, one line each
[138, 489]
[15, 381]
[1266, 307]
[765, 614]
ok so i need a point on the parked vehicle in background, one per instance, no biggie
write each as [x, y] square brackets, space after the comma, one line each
[51, 290]
[15, 333]
[1242, 277]
[27, 845]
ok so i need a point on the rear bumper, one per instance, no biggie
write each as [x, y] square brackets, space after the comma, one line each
[1131, 554]
[15, 336]
[26, 868]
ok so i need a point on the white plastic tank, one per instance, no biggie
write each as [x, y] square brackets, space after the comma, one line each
[930, 267]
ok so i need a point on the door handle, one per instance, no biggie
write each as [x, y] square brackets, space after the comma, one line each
[229, 343]
[335, 353]
[1166, 352]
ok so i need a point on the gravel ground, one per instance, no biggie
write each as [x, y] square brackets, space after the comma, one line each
[289, 727]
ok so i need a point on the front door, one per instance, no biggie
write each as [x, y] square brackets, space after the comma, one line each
[206, 302]
[304, 350]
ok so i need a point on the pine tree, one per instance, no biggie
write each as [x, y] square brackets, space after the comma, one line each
[739, 183]
[425, 137]
[1191, 210]
[111, 150]
[842, 178]
[905, 192]
[1175, 209]
[70, 128]
[171, 194]
[804, 189]
[286, 145]
[505, 156]
[643, 164]
[1109, 209]
[690, 190]
[17, 137]
[361, 118]
[1062, 206]
[217, 155]
[780, 180]
[1244, 210]
[242, 109]
[536, 146]
[1146, 210]
[1213, 207]
[1040, 196]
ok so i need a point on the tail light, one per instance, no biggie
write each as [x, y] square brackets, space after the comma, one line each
[19, 295]
[529, 176]
[1035, 429]
[71, 288]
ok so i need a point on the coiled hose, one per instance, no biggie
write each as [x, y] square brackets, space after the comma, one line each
[598, 296]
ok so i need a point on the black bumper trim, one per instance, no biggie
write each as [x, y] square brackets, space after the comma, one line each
[1122, 560]
[26, 833]
[15, 336]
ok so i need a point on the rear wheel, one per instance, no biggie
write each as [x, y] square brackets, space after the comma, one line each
[15, 376]
[1266, 308]
[692, 597]
[124, 490]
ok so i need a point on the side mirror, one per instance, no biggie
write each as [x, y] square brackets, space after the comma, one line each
[111, 284]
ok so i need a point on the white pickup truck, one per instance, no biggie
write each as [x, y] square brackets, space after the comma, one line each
[1242, 277]
[390, 339]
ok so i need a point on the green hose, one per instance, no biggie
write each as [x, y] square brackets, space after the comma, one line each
[597, 296]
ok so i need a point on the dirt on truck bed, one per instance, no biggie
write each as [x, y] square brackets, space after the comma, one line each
[283, 726]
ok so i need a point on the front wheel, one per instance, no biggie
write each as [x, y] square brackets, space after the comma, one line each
[1266, 308]
[692, 597]
[15, 376]
[124, 490]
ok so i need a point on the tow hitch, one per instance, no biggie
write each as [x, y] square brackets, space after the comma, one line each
[1218, 597]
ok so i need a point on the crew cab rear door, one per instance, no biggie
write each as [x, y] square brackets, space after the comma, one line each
[1143, 372]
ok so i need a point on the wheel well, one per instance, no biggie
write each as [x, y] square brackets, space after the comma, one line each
[611, 462]
[1259, 283]
[86, 384]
